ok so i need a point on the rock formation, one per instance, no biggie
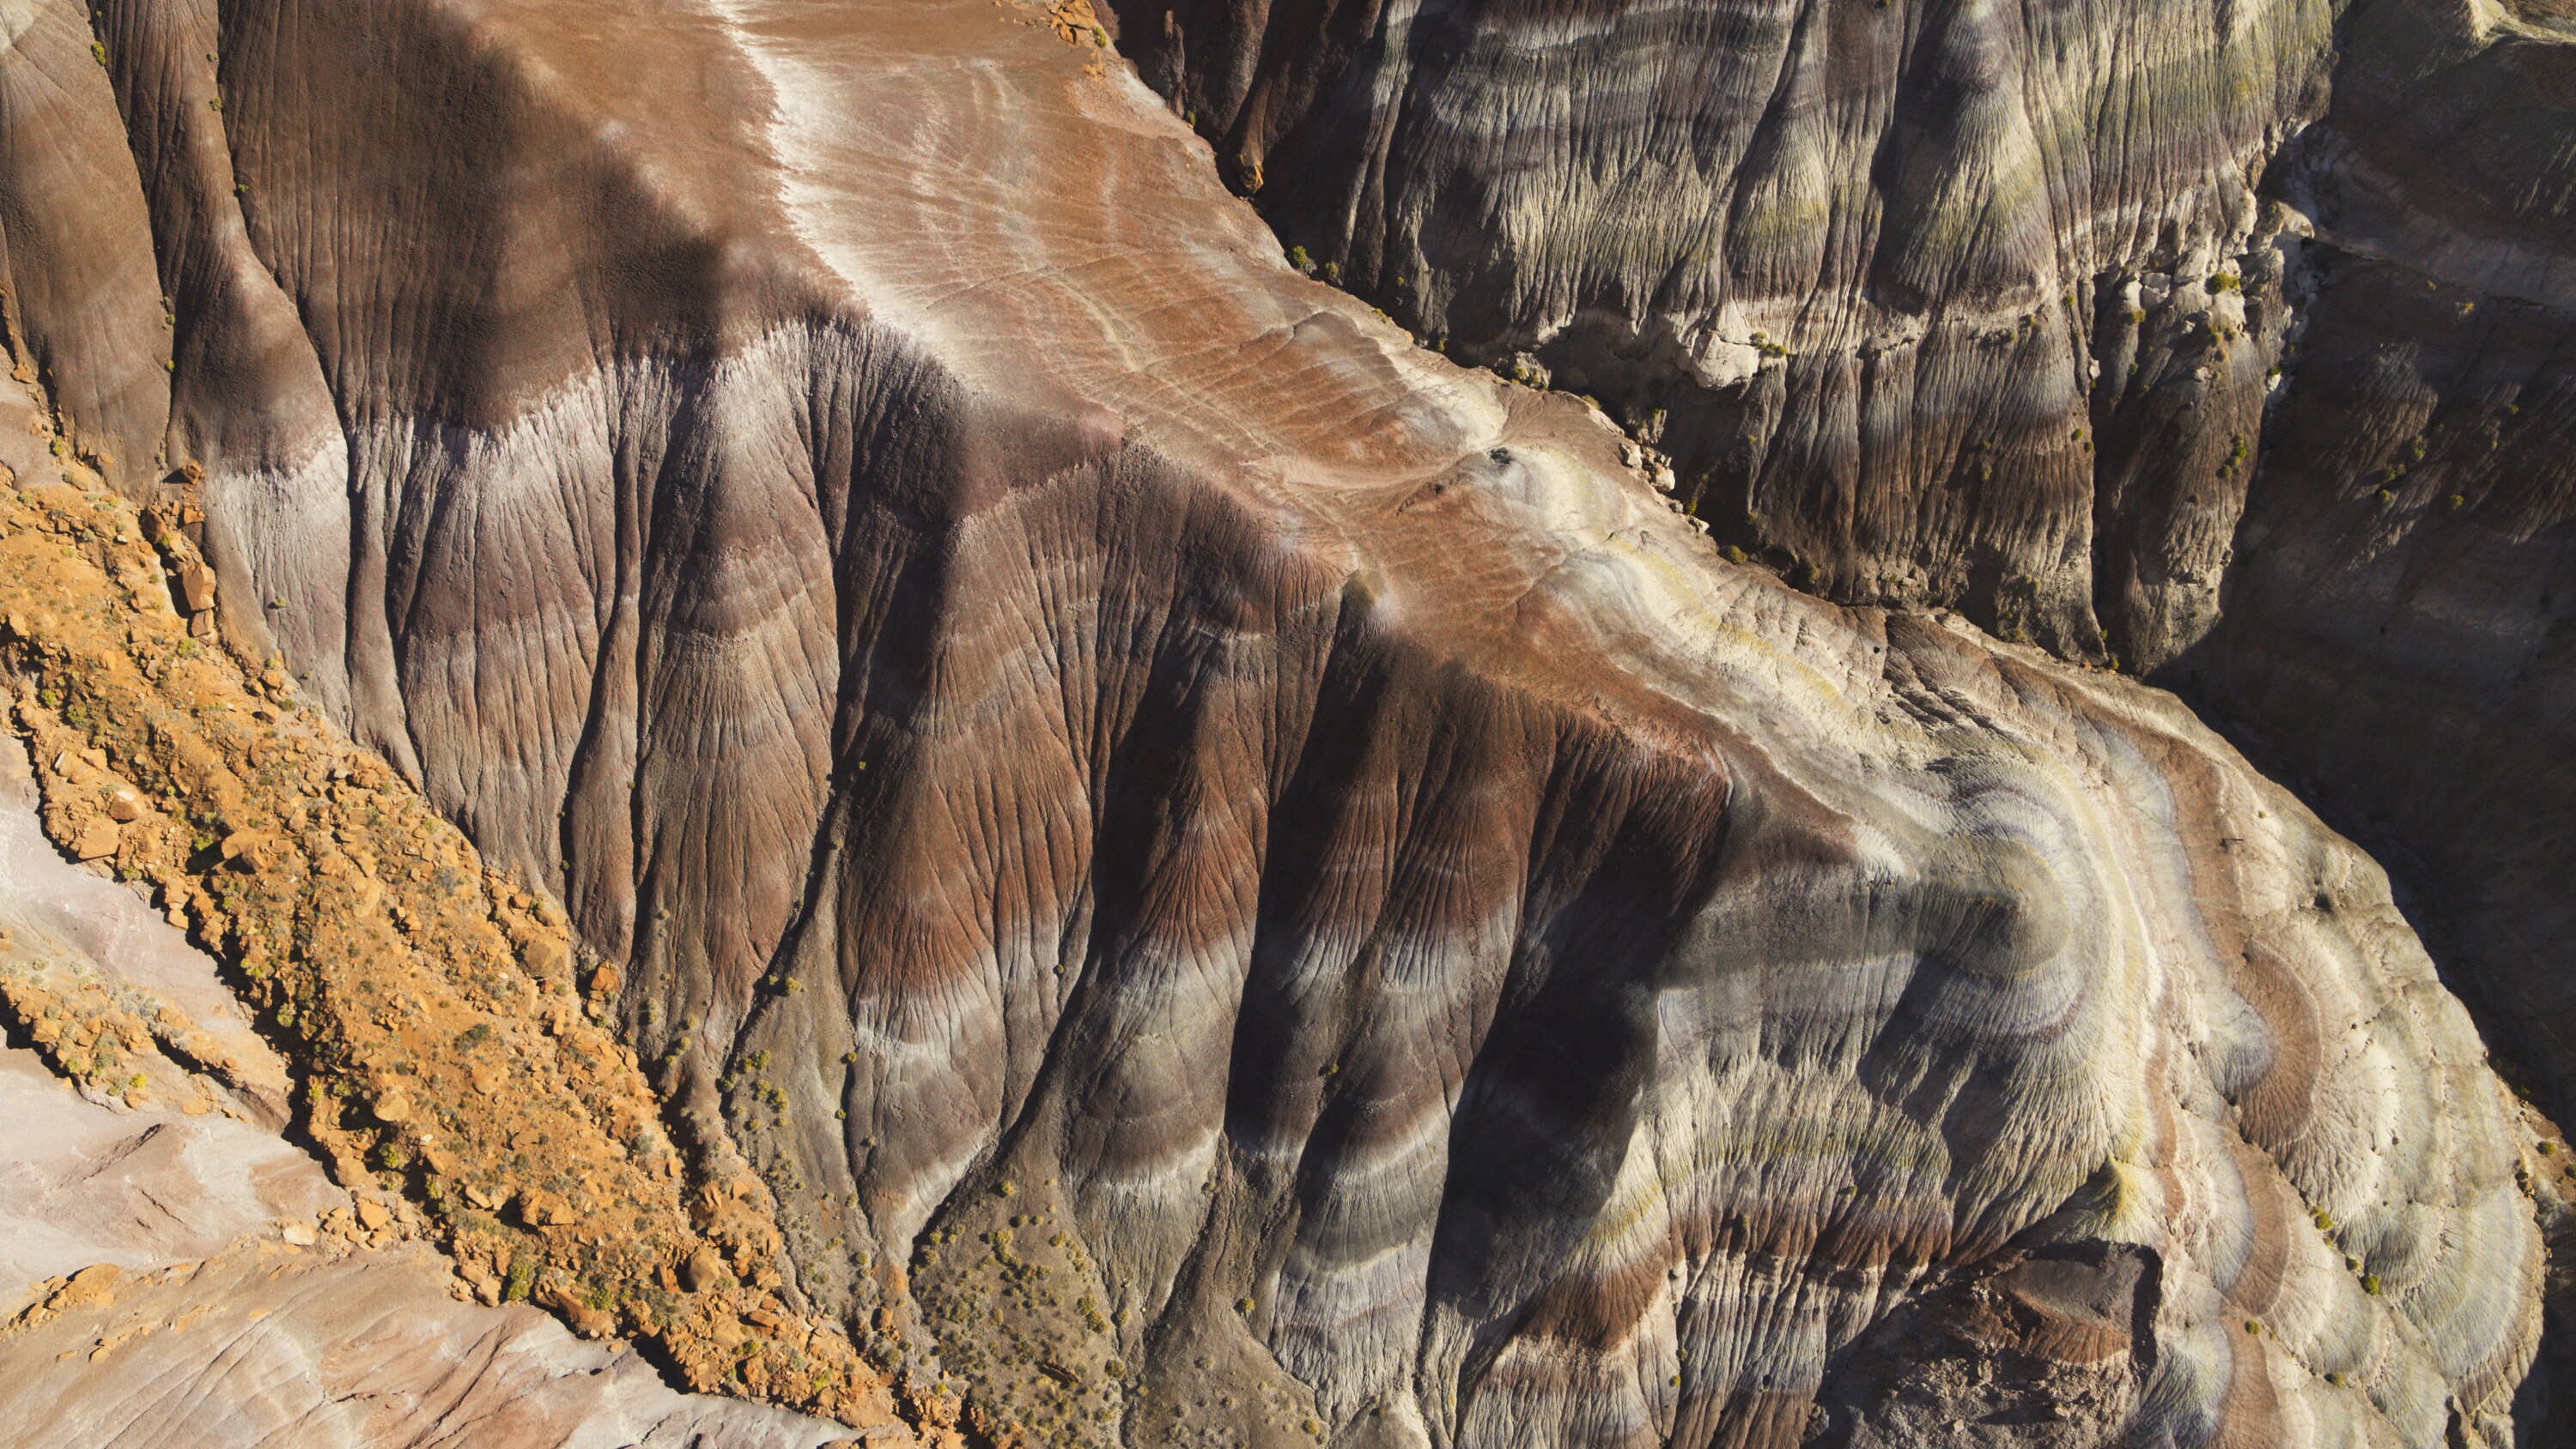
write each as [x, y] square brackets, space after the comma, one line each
[2398, 629]
[197, 1279]
[1956, 304]
[2222, 341]
[436, 1010]
[1236, 882]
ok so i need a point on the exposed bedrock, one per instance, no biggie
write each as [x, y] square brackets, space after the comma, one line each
[1233, 875]
[1956, 303]
[2398, 633]
[185, 1297]
[2020, 310]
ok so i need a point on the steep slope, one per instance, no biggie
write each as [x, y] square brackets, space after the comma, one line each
[442, 1049]
[185, 1292]
[2398, 630]
[1960, 304]
[1237, 881]
[2223, 341]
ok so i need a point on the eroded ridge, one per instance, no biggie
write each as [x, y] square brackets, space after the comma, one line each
[449, 1036]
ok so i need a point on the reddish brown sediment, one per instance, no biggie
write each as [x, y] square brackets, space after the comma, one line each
[2226, 342]
[1179, 830]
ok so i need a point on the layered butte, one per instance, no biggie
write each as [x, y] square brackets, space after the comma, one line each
[1239, 882]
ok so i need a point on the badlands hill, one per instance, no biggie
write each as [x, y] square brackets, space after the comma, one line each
[828, 721]
[2225, 342]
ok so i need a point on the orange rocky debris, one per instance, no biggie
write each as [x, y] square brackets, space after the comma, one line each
[444, 1048]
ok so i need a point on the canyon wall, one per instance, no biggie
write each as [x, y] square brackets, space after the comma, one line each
[2400, 631]
[1960, 304]
[1239, 880]
[2222, 342]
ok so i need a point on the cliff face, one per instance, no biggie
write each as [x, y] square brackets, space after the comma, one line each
[2224, 341]
[1235, 878]
[1961, 303]
[2398, 627]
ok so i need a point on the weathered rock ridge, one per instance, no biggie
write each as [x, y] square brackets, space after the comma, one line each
[1952, 303]
[2226, 341]
[1240, 883]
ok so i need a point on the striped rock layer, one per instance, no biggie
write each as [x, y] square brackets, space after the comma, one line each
[1960, 303]
[2223, 341]
[1239, 882]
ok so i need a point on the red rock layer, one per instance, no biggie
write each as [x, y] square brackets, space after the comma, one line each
[1231, 874]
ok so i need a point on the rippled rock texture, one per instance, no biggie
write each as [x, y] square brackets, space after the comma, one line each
[1242, 883]
[2224, 341]
[1959, 303]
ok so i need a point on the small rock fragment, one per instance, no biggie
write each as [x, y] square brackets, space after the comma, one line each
[544, 1210]
[97, 842]
[93, 1285]
[704, 1270]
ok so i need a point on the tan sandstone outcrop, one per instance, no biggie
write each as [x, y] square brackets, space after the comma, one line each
[174, 1272]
